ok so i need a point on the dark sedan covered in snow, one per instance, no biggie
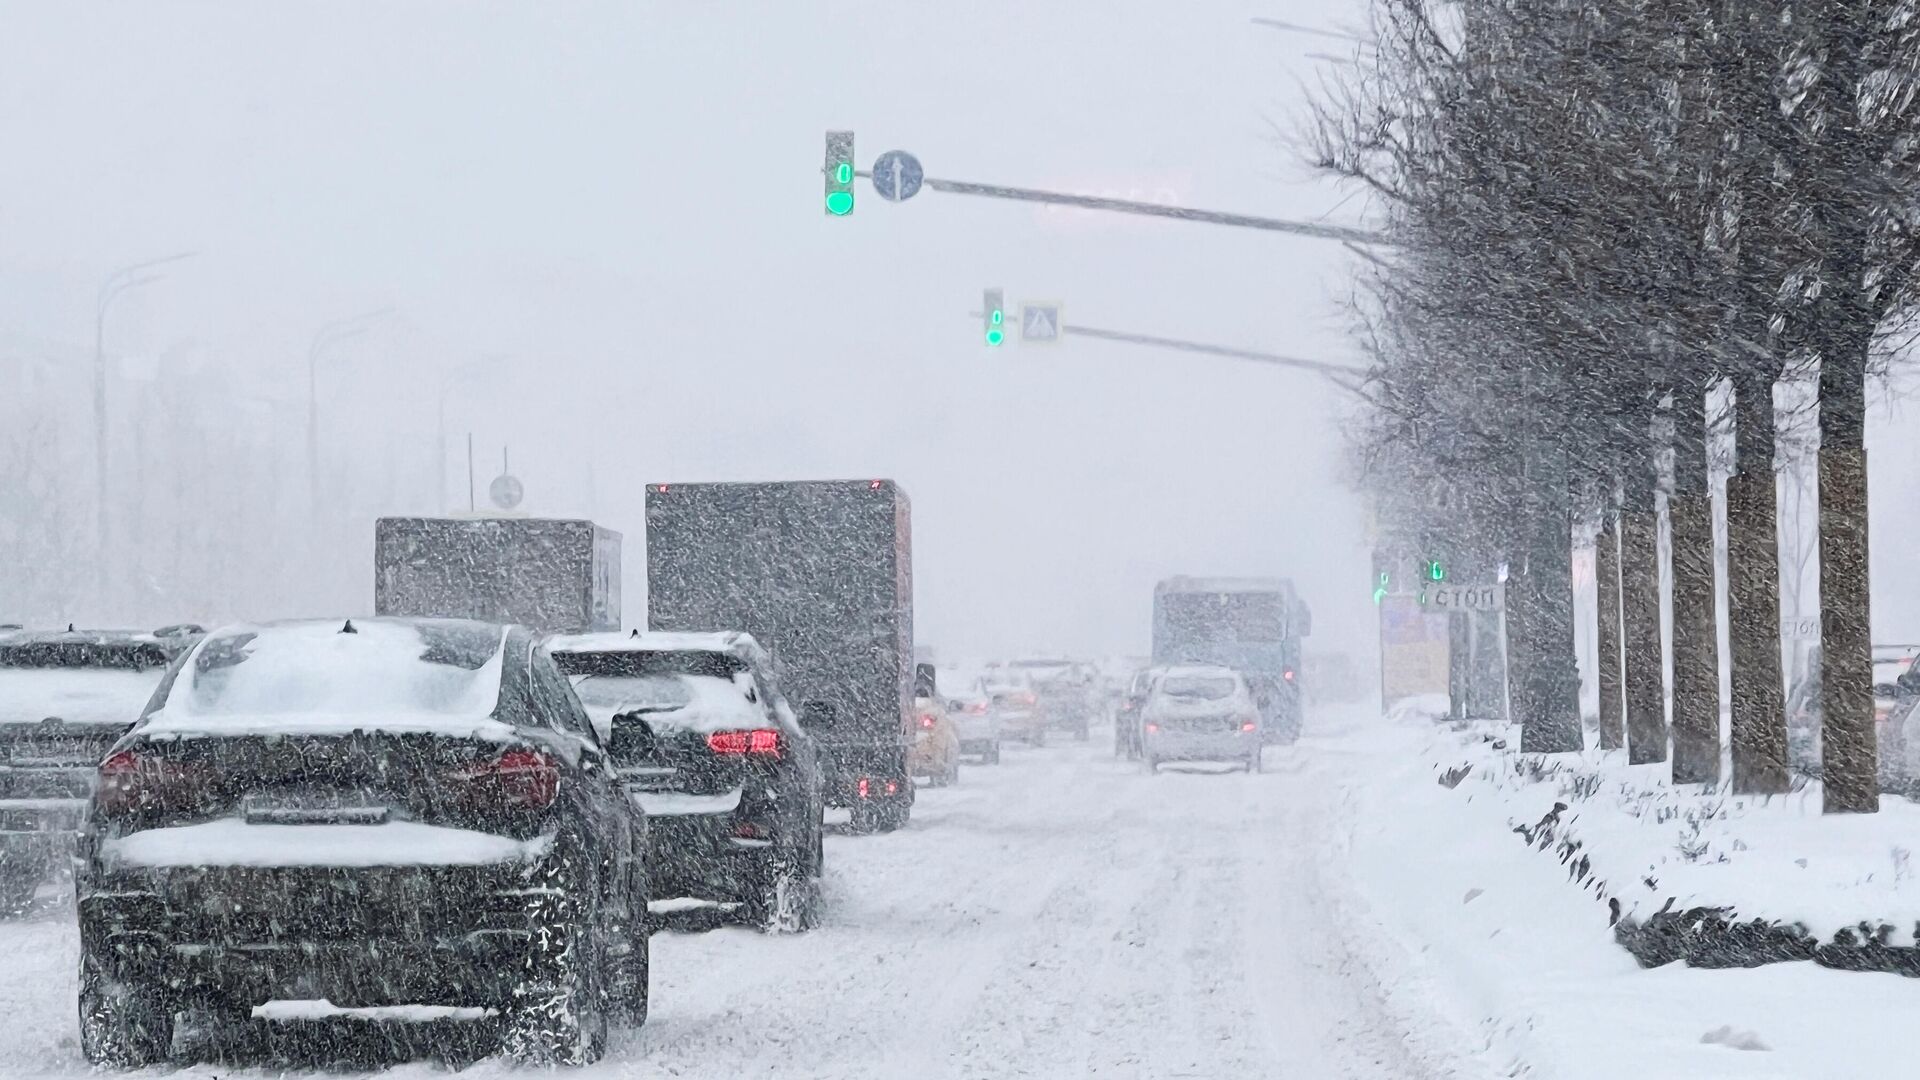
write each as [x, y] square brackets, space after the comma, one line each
[375, 812]
[65, 697]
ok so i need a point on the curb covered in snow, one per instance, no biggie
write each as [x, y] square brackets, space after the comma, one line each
[1707, 878]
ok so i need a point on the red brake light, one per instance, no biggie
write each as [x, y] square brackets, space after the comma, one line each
[1287, 674]
[863, 787]
[131, 782]
[926, 721]
[1153, 727]
[876, 485]
[521, 777]
[760, 742]
[1248, 726]
[662, 489]
[978, 708]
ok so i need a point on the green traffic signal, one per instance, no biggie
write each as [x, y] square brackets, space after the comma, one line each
[1380, 590]
[1436, 571]
[839, 173]
[993, 307]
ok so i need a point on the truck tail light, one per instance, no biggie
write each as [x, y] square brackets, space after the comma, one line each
[760, 742]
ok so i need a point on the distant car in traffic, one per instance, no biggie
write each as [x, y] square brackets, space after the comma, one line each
[1016, 706]
[975, 720]
[936, 744]
[372, 811]
[1896, 690]
[703, 738]
[65, 697]
[1067, 698]
[1126, 715]
[1201, 713]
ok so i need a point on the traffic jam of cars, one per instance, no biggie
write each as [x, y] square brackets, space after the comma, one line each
[489, 794]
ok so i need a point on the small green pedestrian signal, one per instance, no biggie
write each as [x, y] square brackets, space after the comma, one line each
[839, 173]
[1380, 589]
[994, 312]
[1436, 571]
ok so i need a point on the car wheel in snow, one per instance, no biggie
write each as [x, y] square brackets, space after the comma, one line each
[783, 897]
[865, 817]
[953, 772]
[636, 972]
[558, 1014]
[123, 1025]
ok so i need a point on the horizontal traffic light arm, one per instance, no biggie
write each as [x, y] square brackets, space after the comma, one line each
[1178, 213]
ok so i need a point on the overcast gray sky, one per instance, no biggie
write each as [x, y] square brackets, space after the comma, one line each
[624, 198]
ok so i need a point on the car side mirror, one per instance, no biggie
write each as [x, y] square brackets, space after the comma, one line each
[633, 739]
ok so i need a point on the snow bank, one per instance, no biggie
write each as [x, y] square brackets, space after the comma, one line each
[233, 842]
[1457, 913]
[1713, 861]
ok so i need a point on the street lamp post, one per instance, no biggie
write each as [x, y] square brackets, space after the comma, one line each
[447, 383]
[116, 283]
[323, 338]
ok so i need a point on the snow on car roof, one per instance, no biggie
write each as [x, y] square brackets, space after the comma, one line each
[338, 675]
[717, 641]
[83, 695]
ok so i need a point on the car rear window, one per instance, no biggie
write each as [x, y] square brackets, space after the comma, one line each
[450, 669]
[1200, 687]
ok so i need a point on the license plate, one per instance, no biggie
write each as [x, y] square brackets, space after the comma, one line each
[322, 810]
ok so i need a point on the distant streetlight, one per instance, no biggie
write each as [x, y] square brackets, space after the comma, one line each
[447, 383]
[116, 283]
[324, 338]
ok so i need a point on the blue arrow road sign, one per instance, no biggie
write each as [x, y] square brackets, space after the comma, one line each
[897, 176]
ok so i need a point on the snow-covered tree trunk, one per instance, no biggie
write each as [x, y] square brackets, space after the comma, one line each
[1696, 640]
[1849, 754]
[1606, 575]
[1759, 735]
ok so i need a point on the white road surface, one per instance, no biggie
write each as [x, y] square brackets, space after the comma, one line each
[1060, 915]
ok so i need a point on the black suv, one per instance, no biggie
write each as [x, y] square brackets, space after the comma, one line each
[374, 812]
[730, 782]
[65, 697]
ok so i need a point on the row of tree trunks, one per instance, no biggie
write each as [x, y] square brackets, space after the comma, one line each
[1696, 637]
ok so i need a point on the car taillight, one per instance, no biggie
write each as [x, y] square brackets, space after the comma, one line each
[926, 721]
[1287, 674]
[1152, 728]
[519, 778]
[863, 787]
[978, 708]
[1027, 699]
[133, 783]
[1247, 725]
[760, 742]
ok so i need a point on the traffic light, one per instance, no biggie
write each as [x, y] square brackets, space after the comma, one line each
[1434, 569]
[1380, 587]
[839, 173]
[993, 314]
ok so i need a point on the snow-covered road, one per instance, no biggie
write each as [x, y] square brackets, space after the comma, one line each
[1060, 915]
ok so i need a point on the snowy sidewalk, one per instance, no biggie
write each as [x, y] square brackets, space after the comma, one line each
[1494, 933]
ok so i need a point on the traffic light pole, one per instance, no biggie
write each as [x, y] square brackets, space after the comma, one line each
[1345, 377]
[1178, 213]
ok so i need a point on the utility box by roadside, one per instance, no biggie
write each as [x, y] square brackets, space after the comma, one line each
[552, 574]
